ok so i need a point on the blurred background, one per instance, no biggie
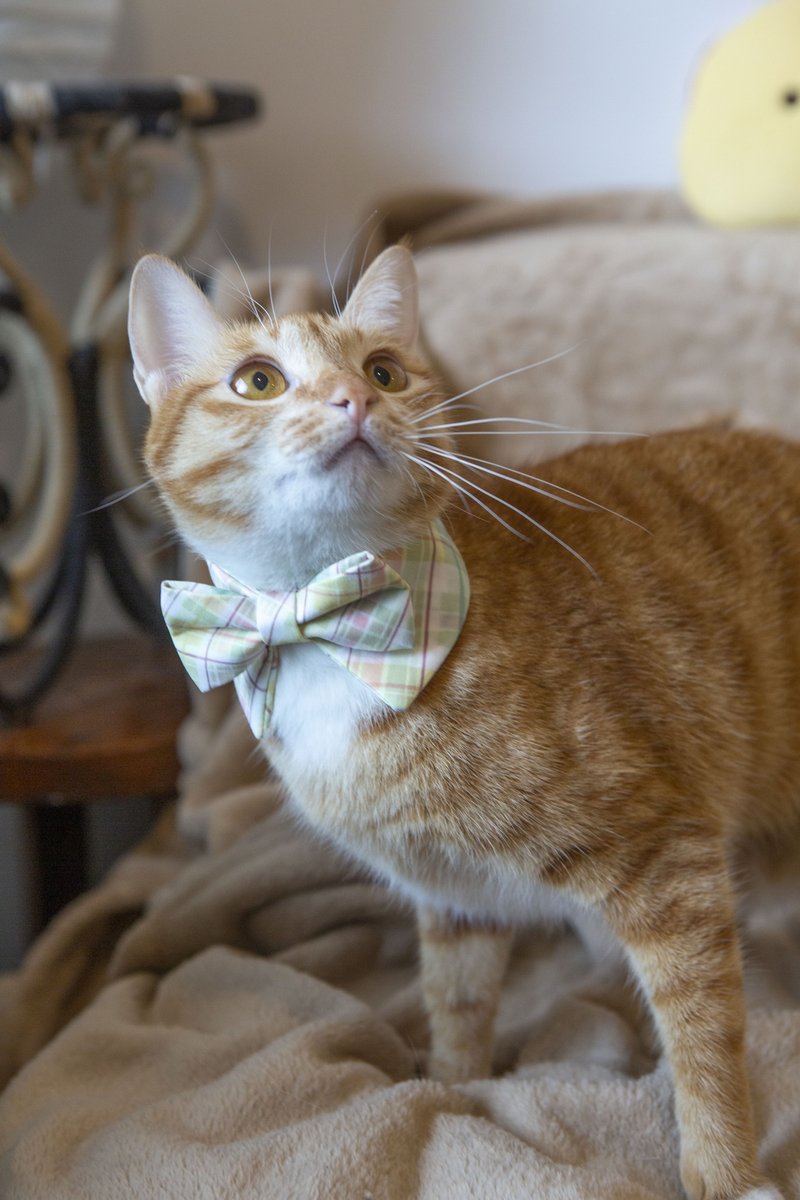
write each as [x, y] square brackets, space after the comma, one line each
[366, 97]
[362, 98]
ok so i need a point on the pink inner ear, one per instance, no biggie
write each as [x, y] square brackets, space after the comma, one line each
[171, 325]
[385, 298]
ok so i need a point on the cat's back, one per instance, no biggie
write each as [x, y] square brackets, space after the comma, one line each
[678, 636]
[688, 518]
[707, 492]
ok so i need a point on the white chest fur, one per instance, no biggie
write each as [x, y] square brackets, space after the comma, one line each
[319, 707]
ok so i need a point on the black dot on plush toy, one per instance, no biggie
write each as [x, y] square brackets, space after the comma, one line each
[791, 96]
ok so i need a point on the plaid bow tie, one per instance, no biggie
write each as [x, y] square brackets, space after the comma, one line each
[391, 622]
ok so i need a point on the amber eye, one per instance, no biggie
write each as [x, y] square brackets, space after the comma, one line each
[259, 381]
[385, 373]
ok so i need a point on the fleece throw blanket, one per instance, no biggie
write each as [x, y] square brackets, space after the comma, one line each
[260, 1034]
[234, 1013]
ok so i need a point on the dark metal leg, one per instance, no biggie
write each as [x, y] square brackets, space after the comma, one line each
[126, 585]
[59, 842]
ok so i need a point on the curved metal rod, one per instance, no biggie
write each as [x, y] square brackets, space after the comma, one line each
[103, 313]
[45, 353]
[68, 591]
[104, 538]
[27, 483]
[68, 560]
[124, 457]
[17, 182]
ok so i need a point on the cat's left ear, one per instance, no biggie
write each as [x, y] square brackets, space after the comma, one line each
[385, 298]
[170, 326]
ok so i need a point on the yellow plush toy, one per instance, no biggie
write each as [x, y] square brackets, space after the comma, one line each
[740, 148]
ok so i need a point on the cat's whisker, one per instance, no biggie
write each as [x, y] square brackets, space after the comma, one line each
[519, 370]
[447, 472]
[585, 433]
[269, 275]
[526, 480]
[531, 487]
[535, 426]
[466, 493]
[409, 474]
[443, 405]
[334, 299]
[348, 248]
[364, 256]
[425, 396]
[255, 307]
[437, 407]
[118, 497]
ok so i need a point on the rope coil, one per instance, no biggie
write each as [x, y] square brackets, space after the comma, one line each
[198, 102]
[30, 103]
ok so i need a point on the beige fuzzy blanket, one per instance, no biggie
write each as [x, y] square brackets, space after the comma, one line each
[262, 1037]
[235, 1014]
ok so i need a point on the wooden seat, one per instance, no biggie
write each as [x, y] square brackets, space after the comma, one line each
[106, 730]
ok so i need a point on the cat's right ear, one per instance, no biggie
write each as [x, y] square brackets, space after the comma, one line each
[170, 326]
[385, 297]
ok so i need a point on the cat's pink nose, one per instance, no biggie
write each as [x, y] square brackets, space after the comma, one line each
[355, 397]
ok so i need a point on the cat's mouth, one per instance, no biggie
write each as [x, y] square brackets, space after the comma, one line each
[358, 446]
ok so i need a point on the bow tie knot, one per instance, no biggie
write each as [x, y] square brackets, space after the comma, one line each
[359, 602]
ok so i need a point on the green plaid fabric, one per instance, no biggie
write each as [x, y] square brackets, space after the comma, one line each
[391, 622]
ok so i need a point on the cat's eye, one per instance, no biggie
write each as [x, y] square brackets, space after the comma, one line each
[386, 373]
[259, 381]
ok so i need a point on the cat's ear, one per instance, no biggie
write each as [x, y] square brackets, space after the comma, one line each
[385, 297]
[170, 326]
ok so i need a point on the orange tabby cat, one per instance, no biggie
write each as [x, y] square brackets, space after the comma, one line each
[598, 739]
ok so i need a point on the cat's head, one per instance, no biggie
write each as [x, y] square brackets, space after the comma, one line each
[280, 447]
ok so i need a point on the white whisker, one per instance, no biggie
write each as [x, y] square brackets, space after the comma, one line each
[545, 426]
[526, 480]
[447, 472]
[364, 257]
[443, 404]
[519, 370]
[465, 492]
[269, 274]
[118, 497]
[334, 300]
[348, 248]
[251, 303]
[557, 431]
[531, 487]
[255, 306]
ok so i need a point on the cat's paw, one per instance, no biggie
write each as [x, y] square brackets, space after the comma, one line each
[765, 1192]
[696, 1185]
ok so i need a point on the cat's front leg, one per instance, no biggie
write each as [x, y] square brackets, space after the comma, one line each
[675, 915]
[463, 964]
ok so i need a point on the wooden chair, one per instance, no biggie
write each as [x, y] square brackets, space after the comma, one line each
[106, 730]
